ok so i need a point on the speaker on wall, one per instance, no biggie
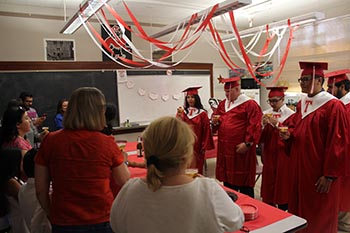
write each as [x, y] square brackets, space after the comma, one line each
[249, 83]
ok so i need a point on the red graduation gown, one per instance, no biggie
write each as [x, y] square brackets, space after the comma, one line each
[200, 125]
[239, 124]
[275, 176]
[317, 150]
[345, 181]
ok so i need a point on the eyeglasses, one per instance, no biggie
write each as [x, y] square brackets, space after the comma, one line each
[273, 101]
[304, 79]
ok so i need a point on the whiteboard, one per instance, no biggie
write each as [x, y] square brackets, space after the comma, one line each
[144, 98]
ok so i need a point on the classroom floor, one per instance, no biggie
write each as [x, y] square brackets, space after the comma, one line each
[210, 172]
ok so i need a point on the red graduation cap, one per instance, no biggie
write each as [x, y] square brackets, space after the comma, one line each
[276, 91]
[230, 82]
[337, 76]
[191, 91]
[310, 67]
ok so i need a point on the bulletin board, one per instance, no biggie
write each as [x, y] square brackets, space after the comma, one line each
[146, 96]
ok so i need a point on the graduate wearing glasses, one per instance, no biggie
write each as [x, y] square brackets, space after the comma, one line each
[339, 85]
[317, 152]
[275, 176]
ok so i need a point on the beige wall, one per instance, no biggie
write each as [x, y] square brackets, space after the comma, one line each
[22, 39]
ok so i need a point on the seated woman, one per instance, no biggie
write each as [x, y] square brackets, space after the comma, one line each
[80, 167]
[168, 200]
[61, 109]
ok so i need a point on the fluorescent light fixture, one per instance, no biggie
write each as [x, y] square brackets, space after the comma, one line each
[86, 10]
[298, 20]
[223, 8]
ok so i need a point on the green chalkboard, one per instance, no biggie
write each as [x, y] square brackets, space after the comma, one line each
[49, 87]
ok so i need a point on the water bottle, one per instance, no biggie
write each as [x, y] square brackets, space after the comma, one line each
[139, 146]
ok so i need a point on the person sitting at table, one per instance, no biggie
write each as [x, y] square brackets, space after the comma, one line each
[80, 167]
[168, 200]
[196, 116]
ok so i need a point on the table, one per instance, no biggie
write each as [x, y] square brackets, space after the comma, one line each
[270, 219]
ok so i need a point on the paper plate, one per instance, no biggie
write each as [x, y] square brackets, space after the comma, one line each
[250, 211]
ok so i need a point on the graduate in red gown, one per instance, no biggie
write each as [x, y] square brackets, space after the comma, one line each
[238, 122]
[317, 152]
[339, 85]
[195, 115]
[275, 176]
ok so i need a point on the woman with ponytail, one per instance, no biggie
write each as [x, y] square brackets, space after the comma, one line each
[168, 200]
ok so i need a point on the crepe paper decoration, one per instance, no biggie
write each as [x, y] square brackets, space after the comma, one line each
[189, 36]
[177, 96]
[141, 92]
[249, 65]
[130, 84]
[153, 96]
[165, 98]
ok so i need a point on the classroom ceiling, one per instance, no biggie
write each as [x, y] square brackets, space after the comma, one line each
[165, 12]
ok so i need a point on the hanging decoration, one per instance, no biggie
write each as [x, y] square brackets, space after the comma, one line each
[153, 96]
[130, 84]
[141, 92]
[165, 98]
[253, 70]
[185, 36]
[177, 96]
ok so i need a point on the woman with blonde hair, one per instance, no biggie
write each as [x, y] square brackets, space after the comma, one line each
[168, 200]
[79, 160]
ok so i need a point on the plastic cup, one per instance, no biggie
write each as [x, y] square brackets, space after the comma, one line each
[283, 129]
[121, 144]
[192, 172]
[216, 117]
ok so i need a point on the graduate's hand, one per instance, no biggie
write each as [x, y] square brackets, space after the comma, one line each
[285, 135]
[265, 120]
[273, 121]
[242, 148]
[38, 121]
[179, 112]
[323, 185]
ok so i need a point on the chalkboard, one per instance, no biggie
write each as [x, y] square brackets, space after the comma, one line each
[49, 87]
[145, 96]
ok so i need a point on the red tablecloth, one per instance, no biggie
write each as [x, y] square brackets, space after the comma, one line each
[131, 146]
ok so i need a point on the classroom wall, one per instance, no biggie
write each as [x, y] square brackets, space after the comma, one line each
[23, 40]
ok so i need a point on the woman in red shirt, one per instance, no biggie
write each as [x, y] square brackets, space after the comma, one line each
[79, 161]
